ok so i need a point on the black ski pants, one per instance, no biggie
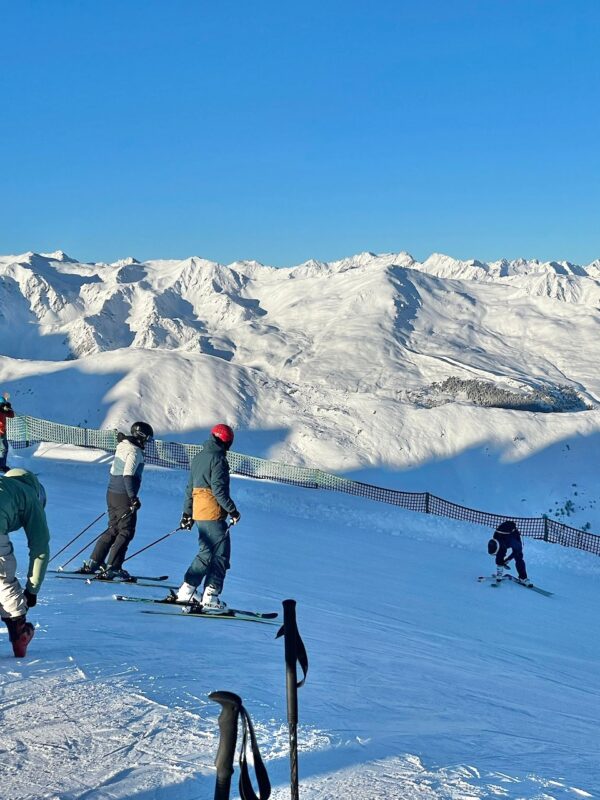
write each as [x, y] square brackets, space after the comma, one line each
[511, 541]
[212, 560]
[111, 547]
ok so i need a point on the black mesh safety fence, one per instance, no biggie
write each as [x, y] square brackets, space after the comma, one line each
[24, 431]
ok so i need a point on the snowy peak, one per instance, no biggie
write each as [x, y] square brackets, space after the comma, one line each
[338, 357]
[198, 304]
[59, 255]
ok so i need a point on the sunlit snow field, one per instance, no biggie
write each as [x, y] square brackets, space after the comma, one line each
[423, 683]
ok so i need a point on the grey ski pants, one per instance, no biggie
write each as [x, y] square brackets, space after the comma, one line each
[12, 600]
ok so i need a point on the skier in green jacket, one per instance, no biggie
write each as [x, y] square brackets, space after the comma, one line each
[22, 503]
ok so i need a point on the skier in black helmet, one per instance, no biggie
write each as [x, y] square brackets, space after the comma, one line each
[508, 537]
[123, 504]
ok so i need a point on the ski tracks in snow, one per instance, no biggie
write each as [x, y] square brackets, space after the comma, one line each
[66, 737]
[406, 778]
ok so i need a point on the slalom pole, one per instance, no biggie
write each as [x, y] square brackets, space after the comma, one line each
[228, 725]
[295, 652]
[74, 539]
[156, 541]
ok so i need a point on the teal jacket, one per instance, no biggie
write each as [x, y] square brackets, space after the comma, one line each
[20, 507]
[210, 470]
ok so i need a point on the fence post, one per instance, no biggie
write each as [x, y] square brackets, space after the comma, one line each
[427, 502]
[545, 518]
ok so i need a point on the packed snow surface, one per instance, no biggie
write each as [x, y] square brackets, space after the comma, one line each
[422, 683]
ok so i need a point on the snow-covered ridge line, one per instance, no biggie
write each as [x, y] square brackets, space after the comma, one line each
[334, 360]
[437, 263]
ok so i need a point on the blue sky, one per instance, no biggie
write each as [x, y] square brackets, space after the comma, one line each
[283, 131]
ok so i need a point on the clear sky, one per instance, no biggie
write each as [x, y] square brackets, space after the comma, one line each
[283, 131]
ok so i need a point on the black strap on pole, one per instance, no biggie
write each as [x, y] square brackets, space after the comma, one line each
[295, 653]
[228, 724]
[232, 709]
[148, 546]
[245, 786]
[74, 539]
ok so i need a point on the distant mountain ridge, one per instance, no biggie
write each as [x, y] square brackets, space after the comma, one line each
[348, 351]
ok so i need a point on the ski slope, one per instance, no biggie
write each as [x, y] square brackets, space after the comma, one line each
[423, 683]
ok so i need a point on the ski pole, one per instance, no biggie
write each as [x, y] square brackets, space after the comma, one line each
[232, 710]
[79, 552]
[166, 536]
[294, 652]
[228, 725]
[74, 539]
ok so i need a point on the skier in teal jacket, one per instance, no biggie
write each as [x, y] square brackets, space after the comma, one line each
[208, 503]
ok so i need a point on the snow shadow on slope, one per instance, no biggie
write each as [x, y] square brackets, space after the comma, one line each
[50, 395]
[559, 480]
[256, 442]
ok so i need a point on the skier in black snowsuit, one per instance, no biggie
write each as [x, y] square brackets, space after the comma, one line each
[123, 504]
[507, 537]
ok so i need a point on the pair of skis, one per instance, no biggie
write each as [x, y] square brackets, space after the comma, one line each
[190, 609]
[194, 609]
[92, 577]
[495, 581]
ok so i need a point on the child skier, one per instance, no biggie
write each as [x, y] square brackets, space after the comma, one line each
[507, 537]
[22, 503]
[208, 502]
[123, 504]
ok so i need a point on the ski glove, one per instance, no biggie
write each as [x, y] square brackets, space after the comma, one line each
[30, 598]
[134, 503]
[187, 523]
[235, 518]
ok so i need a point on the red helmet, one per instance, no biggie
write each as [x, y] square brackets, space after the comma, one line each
[224, 433]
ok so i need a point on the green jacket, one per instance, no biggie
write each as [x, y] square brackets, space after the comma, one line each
[20, 507]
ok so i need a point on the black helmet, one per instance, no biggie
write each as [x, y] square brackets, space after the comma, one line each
[142, 431]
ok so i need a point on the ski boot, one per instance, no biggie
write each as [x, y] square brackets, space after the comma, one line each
[185, 594]
[211, 602]
[90, 567]
[112, 573]
[498, 576]
[20, 633]
[525, 581]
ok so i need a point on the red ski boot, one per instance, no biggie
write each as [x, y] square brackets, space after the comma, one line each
[20, 633]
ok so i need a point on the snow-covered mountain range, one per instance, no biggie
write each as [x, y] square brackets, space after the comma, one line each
[371, 360]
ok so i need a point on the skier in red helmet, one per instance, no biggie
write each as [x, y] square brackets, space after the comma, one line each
[208, 503]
